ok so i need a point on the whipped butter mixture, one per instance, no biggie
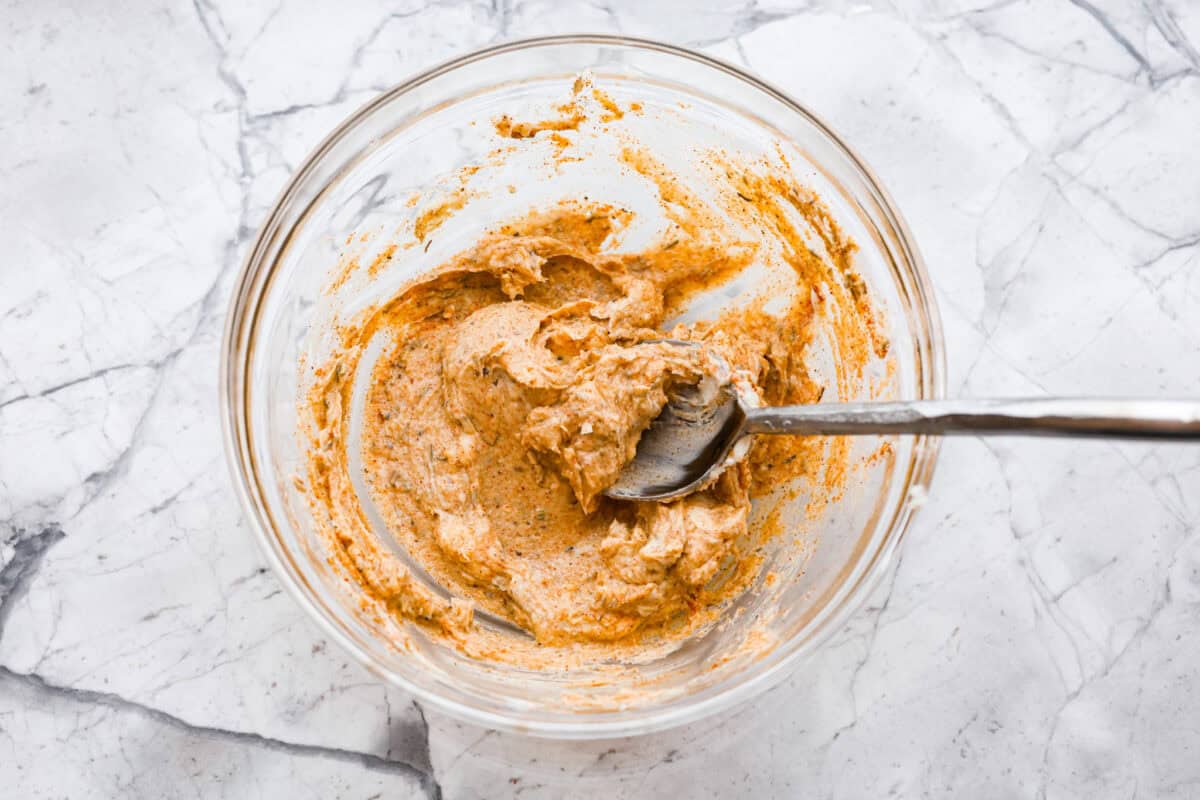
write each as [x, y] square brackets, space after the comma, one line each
[514, 384]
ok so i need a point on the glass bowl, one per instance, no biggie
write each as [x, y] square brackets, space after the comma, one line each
[408, 140]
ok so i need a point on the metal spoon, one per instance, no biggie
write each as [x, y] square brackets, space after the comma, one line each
[692, 439]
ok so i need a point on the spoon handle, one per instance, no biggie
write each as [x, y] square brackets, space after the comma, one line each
[1109, 418]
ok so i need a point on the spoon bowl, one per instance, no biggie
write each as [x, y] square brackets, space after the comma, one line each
[687, 445]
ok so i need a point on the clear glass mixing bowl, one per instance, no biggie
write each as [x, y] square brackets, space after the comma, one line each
[409, 139]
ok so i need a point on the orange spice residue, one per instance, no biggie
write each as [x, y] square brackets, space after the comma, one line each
[511, 129]
[345, 268]
[611, 110]
[381, 260]
[571, 114]
[431, 218]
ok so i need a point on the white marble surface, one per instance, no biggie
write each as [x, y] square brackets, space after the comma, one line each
[1041, 634]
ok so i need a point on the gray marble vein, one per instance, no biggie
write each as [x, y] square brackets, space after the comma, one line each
[1038, 635]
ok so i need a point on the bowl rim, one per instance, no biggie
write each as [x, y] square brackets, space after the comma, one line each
[236, 356]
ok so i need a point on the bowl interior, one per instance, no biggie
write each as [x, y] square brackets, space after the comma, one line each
[409, 143]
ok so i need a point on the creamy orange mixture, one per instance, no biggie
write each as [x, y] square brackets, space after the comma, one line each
[515, 384]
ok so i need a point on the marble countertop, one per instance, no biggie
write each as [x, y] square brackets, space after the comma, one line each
[1039, 635]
